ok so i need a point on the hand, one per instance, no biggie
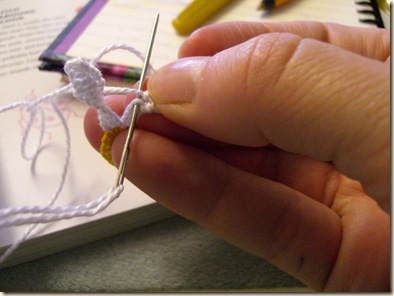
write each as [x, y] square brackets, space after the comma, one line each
[276, 137]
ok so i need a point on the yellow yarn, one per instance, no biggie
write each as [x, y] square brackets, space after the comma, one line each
[106, 143]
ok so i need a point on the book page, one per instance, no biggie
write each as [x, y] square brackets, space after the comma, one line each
[26, 29]
[130, 22]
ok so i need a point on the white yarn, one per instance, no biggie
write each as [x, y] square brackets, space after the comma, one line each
[33, 114]
[87, 85]
[50, 213]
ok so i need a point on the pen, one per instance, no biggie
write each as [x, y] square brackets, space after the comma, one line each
[270, 4]
[196, 13]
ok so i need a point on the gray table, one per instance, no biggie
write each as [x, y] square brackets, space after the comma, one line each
[172, 255]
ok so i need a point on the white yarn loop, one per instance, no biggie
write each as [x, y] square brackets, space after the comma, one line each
[26, 133]
[113, 47]
[88, 86]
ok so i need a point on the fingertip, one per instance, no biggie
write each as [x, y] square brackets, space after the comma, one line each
[196, 42]
[206, 41]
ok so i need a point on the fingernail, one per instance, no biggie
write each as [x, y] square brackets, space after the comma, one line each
[176, 82]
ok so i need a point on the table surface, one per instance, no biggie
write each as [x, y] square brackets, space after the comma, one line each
[172, 255]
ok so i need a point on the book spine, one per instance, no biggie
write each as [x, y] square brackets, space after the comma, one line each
[54, 57]
[52, 53]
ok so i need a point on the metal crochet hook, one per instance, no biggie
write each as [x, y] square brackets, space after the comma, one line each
[136, 107]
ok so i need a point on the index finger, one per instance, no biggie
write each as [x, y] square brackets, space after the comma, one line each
[369, 42]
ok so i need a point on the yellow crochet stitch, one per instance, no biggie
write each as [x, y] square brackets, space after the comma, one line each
[106, 143]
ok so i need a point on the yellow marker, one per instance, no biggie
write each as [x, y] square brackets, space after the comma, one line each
[385, 5]
[196, 13]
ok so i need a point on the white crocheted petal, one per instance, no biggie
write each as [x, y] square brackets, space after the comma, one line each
[87, 81]
[108, 121]
[89, 87]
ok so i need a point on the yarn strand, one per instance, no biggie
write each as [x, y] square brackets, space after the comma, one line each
[51, 214]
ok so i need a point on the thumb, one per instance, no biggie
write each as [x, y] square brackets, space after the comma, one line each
[301, 95]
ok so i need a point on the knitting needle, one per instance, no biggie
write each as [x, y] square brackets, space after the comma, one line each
[136, 107]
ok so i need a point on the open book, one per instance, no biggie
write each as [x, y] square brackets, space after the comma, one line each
[26, 29]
